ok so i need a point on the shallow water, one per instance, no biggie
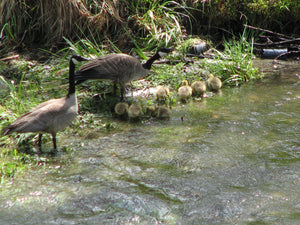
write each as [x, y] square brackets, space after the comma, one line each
[234, 159]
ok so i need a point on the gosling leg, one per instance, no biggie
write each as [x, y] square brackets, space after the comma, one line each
[40, 142]
[54, 141]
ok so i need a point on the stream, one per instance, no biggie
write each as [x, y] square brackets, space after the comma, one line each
[228, 159]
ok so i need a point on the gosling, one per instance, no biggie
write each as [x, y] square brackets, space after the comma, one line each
[134, 111]
[121, 110]
[185, 91]
[213, 83]
[162, 112]
[150, 110]
[198, 88]
[162, 93]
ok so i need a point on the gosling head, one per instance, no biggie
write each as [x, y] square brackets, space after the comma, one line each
[185, 83]
[211, 75]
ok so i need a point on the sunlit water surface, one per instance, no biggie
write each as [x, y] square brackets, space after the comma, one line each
[233, 159]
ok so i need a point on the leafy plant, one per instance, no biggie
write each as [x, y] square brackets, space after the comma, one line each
[15, 92]
[11, 163]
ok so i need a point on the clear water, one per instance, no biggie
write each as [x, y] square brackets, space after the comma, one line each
[234, 159]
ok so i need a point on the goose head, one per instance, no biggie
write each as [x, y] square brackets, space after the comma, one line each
[164, 51]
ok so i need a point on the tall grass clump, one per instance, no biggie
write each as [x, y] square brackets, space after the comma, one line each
[47, 22]
[215, 16]
[15, 93]
[235, 64]
[159, 22]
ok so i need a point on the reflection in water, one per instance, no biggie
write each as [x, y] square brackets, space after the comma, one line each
[234, 159]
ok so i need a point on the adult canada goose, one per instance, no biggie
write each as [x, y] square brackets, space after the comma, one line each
[185, 91]
[162, 93]
[213, 83]
[134, 111]
[51, 116]
[198, 87]
[120, 68]
[121, 109]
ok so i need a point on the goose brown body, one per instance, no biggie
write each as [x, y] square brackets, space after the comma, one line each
[120, 68]
[51, 116]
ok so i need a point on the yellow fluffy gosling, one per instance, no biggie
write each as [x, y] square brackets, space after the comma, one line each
[150, 110]
[213, 83]
[162, 112]
[121, 109]
[162, 93]
[185, 91]
[199, 88]
[134, 111]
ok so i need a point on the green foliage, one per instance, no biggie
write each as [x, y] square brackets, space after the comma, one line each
[11, 163]
[233, 65]
[162, 23]
[23, 85]
[278, 15]
[151, 23]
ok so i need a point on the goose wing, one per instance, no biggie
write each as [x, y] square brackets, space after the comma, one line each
[118, 67]
[41, 118]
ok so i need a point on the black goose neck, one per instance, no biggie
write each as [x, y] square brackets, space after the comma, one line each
[147, 65]
[71, 78]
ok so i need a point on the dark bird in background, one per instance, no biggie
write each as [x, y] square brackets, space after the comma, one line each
[51, 116]
[120, 68]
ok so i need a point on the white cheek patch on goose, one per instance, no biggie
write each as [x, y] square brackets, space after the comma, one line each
[162, 54]
[75, 61]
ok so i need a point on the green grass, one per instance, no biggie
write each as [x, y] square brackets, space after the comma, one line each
[26, 83]
[11, 164]
[151, 23]
[233, 66]
[161, 22]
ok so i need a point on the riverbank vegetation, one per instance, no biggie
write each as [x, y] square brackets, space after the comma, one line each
[149, 23]
[37, 38]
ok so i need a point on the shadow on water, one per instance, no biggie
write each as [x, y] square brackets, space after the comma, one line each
[234, 159]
